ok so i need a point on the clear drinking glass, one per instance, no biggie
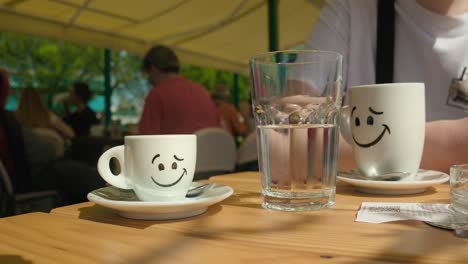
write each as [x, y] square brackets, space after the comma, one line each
[296, 98]
[459, 188]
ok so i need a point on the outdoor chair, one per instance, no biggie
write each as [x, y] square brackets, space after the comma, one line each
[216, 153]
[52, 139]
[16, 193]
[13, 204]
[247, 159]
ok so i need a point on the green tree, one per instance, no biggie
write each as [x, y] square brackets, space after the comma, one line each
[48, 65]
[53, 66]
[210, 77]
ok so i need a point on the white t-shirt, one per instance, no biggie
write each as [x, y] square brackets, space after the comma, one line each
[429, 48]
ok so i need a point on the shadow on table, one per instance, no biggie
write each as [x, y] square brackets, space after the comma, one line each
[13, 259]
[204, 230]
[245, 199]
[205, 227]
[97, 213]
[421, 240]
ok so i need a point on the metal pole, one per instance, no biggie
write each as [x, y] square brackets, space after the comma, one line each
[107, 87]
[235, 90]
[273, 35]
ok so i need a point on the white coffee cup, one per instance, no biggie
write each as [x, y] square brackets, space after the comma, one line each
[385, 124]
[157, 168]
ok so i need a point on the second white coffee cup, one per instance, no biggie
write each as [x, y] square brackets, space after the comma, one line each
[157, 167]
[385, 124]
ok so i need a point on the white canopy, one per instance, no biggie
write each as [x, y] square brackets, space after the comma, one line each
[215, 33]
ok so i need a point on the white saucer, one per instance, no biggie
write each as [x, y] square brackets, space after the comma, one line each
[127, 204]
[417, 183]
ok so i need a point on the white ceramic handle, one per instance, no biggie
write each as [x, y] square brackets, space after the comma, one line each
[104, 169]
[345, 125]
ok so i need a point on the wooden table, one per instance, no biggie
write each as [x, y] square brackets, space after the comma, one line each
[236, 230]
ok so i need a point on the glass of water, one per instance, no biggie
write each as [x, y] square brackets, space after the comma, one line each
[296, 98]
[459, 188]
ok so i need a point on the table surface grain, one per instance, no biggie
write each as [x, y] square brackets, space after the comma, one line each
[235, 230]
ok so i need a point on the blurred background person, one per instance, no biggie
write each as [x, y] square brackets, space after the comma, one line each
[25, 153]
[245, 109]
[83, 117]
[12, 152]
[231, 119]
[175, 105]
[43, 131]
[29, 161]
[5, 89]
[33, 113]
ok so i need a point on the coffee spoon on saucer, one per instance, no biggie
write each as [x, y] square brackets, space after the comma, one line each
[196, 190]
[460, 232]
[393, 176]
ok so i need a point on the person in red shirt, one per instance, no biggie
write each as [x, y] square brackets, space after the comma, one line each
[175, 105]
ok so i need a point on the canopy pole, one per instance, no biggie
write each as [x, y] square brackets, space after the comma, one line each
[235, 89]
[273, 25]
[107, 87]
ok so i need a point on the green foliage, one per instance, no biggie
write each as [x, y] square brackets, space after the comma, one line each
[203, 76]
[209, 78]
[46, 64]
[125, 67]
[244, 88]
[52, 66]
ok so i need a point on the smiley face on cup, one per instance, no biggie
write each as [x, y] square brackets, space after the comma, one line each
[369, 124]
[157, 168]
[168, 177]
[385, 124]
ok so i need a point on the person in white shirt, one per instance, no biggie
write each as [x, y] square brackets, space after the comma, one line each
[430, 46]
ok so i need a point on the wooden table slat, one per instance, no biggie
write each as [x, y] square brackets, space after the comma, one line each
[236, 230]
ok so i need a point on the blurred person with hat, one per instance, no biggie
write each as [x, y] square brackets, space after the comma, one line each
[231, 119]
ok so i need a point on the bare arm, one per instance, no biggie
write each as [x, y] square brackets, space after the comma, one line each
[60, 126]
[446, 144]
[345, 156]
